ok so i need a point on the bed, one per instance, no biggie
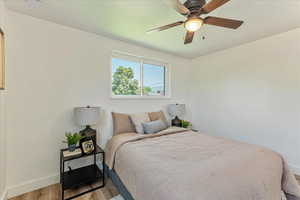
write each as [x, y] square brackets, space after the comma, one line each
[180, 164]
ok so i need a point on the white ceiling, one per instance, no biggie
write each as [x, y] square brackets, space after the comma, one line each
[128, 20]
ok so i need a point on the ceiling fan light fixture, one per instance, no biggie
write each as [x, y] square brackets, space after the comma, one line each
[193, 10]
[193, 24]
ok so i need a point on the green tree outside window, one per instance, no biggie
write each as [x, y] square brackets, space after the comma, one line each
[124, 83]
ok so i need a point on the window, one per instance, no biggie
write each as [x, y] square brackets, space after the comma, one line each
[138, 77]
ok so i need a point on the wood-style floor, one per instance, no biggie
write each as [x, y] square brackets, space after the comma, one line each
[53, 193]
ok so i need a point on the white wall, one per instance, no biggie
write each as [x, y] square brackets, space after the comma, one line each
[50, 70]
[2, 123]
[252, 93]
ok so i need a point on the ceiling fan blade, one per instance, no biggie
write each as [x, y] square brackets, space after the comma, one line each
[226, 23]
[189, 37]
[166, 27]
[212, 5]
[179, 7]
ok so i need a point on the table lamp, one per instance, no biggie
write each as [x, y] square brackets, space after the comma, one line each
[176, 111]
[87, 116]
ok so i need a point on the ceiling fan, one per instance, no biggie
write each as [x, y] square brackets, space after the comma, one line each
[193, 9]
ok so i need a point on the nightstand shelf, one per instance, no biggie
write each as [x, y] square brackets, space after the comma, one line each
[98, 150]
[83, 176]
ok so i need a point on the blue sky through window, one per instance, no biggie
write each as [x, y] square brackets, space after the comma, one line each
[154, 77]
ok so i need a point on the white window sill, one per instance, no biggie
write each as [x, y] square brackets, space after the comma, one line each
[140, 97]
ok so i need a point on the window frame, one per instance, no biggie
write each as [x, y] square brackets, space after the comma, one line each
[141, 60]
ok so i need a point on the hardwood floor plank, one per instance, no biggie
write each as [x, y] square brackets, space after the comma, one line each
[52, 192]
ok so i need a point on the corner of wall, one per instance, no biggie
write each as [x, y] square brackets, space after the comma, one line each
[4, 195]
[246, 81]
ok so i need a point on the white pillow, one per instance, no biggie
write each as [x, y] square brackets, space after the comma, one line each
[138, 119]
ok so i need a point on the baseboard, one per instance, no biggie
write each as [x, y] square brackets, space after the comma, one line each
[36, 184]
[295, 169]
[4, 195]
[32, 185]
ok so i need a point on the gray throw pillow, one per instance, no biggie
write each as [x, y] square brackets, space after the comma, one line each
[154, 126]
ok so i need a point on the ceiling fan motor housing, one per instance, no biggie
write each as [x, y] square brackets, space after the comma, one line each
[194, 5]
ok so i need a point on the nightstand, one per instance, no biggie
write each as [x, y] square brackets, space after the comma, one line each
[87, 175]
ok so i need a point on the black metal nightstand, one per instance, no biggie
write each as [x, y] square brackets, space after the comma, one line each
[82, 176]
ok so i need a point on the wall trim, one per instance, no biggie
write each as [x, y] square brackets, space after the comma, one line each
[4, 195]
[32, 185]
[295, 169]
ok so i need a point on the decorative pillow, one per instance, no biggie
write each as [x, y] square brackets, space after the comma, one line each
[138, 119]
[154, 126]
[122, 123]
[158, 116]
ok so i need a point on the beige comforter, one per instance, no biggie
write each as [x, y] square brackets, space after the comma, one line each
[185, 165]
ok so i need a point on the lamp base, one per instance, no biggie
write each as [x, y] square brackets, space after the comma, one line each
[89, 132]
[176, 122]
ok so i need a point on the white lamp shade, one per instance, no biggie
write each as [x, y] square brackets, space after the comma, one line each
[85, 116]
[176, 110]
